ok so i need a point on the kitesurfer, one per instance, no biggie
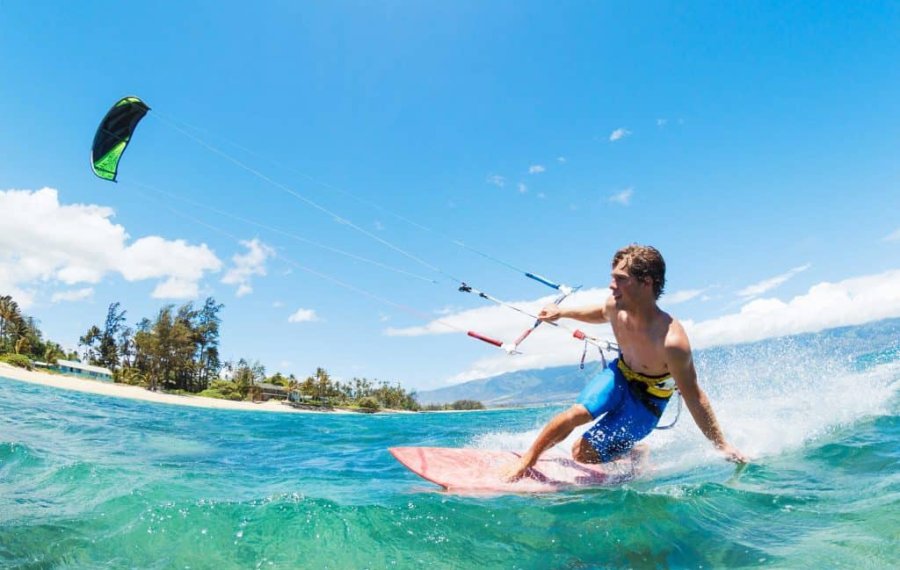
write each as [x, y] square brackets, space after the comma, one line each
[632, 391]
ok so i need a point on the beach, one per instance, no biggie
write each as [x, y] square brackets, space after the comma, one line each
[138, 393]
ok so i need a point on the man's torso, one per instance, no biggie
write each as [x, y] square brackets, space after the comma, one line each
[643, 345]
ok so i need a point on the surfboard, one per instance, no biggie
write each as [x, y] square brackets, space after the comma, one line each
[481, 471]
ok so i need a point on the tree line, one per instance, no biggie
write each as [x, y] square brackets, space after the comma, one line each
[21, 341]
[178, 351]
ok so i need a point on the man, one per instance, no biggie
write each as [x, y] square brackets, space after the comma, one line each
[632, 392]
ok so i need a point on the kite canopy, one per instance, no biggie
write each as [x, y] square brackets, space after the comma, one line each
[113, 134]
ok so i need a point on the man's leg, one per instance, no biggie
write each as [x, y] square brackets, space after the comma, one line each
[603, 394]
[584, 452]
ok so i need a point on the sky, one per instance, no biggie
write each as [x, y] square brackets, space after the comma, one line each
[313, 166]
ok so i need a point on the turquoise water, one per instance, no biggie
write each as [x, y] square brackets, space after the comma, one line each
[94, 482]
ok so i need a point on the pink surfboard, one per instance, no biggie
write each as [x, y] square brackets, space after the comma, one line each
[481, 471]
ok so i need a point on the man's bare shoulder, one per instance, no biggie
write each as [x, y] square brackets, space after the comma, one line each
[678, 351]
[676, 340]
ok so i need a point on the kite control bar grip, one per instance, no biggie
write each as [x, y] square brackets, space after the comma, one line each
[579, 334]
[564, 289]
[486, 339]
[543, 280]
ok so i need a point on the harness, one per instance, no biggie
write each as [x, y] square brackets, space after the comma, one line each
[644, 386]
[662, 386]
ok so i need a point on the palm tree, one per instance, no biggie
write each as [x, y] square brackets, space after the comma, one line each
[88, 341]
[52, 353]
[323, 383]
[10, 316]
[18, 335]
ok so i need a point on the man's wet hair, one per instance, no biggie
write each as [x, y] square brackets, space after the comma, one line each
[645, 263]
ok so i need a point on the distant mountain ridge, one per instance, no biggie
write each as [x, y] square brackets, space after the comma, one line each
[542, 386]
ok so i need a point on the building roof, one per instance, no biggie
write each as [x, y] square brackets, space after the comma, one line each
[84, 367]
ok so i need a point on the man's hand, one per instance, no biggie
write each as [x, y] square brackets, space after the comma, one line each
[549, 313]
[732, 454]
[515, 471]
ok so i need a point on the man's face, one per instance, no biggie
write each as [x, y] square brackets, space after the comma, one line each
[625, 287]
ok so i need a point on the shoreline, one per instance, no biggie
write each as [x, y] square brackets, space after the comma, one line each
[129, 392]
[102, 388]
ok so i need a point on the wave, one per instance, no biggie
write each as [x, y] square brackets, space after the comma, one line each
[770, 398]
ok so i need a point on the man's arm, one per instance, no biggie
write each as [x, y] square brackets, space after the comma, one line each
[554, 432]
[681, 365]
[595, 314]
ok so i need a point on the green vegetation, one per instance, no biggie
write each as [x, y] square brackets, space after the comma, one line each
[19, 360]
[457, 405]
[320, 390]
[20, 335]
[178, 352]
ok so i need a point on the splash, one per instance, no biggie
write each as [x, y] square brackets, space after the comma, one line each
[771, 398]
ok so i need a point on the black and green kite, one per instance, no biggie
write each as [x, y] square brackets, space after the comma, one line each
[113, 136]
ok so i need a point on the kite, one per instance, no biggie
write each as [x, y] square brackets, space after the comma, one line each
[113, 135]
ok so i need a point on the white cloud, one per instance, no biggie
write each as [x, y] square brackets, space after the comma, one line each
[72, 295]
[682, 296]
[247, 265]
[24, 297]
[536, 169]
[546, 346]
[176, 288]
[661, 122]
[826, 305]
[541, 195]
[849, 302]
[622, 198]
[893, 236]
[522, 188]
[277, 304]
[156, 258]
[561, 159]
[618, 134]
[303, 316]
[49, 242]
[448, 310]
[768, 284]
[497, 180]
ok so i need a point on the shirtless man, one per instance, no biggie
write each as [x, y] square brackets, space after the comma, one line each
[632, 392]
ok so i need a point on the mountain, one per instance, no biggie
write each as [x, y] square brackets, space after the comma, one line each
[548, 385]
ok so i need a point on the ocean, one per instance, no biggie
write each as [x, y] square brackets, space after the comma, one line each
[95, 482]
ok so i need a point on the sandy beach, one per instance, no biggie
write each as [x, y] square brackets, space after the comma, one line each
[138, 393]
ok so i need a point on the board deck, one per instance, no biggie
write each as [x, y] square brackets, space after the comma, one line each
[479, 470]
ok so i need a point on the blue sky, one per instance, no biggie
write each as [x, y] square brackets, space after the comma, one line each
[753, 143]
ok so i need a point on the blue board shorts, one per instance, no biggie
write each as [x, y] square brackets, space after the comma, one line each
[626, 418]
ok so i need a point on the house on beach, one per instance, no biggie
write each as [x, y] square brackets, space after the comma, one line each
[75, 368]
